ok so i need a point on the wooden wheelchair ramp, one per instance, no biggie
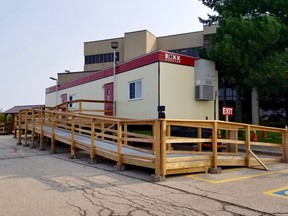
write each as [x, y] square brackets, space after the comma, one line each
[152, 143]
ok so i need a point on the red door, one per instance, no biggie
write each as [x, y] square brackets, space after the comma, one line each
[108, 96]
[64, 98]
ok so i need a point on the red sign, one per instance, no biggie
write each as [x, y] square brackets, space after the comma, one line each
[177, 58]
[227, 111]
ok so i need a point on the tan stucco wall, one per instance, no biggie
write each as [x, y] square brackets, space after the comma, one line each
[66, 77]
[194, 39]
[151, 42]
[92, 90]
[138, 43]
[210, 29]
[145, 108]
[178, 94]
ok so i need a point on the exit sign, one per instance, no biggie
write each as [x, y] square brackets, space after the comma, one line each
[228, 111]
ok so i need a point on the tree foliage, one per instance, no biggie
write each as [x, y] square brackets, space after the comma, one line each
[250, 47]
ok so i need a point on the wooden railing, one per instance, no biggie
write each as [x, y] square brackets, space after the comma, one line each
[158, 138]
[84, 106]
[2, 128]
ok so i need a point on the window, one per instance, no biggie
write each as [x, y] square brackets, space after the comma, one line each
[101, 58]
[135, 90]
[71, 98]
[193, 51]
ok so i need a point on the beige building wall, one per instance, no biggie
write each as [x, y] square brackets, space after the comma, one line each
[67, 77]
[145, 108]
[209, 29]
[138, 43]
[151, 42]
[178, 94]
[188, 40]
[92, 91]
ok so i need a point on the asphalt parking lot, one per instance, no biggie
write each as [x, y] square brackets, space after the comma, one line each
[34, 182]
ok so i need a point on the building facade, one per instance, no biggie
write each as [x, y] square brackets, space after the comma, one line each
[99, 55]
[150, 72]
[183, 84]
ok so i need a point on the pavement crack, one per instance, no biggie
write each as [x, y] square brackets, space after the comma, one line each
[81, 211]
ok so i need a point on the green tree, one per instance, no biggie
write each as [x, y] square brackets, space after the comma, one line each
[250, 45]
[2, 116]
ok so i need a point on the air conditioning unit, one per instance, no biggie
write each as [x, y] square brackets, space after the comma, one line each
[204, 92]
[204, 80]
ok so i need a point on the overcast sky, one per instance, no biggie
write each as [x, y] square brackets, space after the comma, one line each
[40, 38]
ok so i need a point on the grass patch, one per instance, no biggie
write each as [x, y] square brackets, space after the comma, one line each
[144, 132]
[271, 137]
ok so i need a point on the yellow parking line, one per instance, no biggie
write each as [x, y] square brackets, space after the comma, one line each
[234, 179]
[280, 192]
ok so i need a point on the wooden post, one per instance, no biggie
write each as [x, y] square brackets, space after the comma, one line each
[163, 147]
[102, 130]
[126, 133]
[285, 145]
[19, 128]
[154, 134]
[14, 117]
[227, 135]
[53, 147]
[119, 166]
[72, 147]
[248, 146]
[157, 148]
[199, 135]
[80, 106]
[42, 148]
[92, 150]
[26, 128]
[168, 133]
[33, 129]
[214, 145]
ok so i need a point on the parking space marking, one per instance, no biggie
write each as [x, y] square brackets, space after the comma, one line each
[280, 192]
[234, 179]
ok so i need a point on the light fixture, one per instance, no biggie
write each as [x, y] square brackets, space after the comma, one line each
[52, 78]
[114, 44]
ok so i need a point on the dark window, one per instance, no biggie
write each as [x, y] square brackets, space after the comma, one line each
[101, 58]
[193, 51]
[135, 90]
[132, 91]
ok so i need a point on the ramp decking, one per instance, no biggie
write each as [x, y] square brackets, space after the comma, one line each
[155, 145]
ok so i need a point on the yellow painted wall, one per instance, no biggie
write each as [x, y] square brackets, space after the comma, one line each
[145, 108]
[178, 94]
[92, 91]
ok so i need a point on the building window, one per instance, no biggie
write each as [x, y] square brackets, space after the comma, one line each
[193, 51]
[135, 90]
[100, 58]
[71, 98]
